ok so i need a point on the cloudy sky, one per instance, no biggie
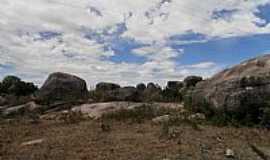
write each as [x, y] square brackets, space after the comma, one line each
[130, 41]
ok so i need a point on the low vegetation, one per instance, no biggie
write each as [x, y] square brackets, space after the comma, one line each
[139, 114]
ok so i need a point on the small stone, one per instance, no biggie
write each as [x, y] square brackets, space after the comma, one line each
[34, 142]
[161, 119]
[197, 116]
[229, 153]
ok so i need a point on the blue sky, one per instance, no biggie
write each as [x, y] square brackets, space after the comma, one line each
[129, 42]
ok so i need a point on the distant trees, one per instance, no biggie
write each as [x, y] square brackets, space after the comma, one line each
[15, 86]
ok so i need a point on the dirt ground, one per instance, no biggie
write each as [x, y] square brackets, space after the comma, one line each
[88, 140]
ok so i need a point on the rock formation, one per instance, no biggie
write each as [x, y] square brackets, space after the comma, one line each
[242, 91]
[63, 87]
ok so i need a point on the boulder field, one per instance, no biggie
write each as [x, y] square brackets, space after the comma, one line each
[242, 92]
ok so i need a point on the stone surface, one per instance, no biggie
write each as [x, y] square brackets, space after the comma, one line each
[63, 87]
[24, 109]
[96, 110]
[105, 86]
[125, 94]
[243, 89]
[197, 116]
[152, 93]
[229, 153]
[175, 85]
[141, 87]
[3, 101]
[191, 81]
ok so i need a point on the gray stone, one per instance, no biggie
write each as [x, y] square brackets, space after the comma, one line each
[191, 81]
[63, 87]
[197, 116]
[24, 109]
[141, 87]
[243, 89]
[175, 85]
[229, 153]
[105, 86]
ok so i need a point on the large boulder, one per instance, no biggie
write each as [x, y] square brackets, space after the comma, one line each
[105, 86]
[175, 85]
[242, 91]
[153, 92]
[141, 87]
[126, 94]
[63, 87]
[104, 92]
[191, 81]
[119, 94]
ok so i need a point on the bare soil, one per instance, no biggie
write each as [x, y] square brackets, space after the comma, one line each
[87, 140]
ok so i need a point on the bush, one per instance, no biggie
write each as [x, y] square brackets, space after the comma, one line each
[171, 95]
[139, 114]
[72, 117]
[13, 85]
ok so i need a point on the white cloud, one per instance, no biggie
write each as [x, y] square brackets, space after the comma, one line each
[147, 21]
[203, 65]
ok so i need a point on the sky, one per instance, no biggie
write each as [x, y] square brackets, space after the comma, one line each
[130, 41]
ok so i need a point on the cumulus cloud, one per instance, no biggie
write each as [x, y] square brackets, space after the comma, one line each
[42, 36]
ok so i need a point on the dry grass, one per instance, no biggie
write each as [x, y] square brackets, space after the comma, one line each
[87, 140]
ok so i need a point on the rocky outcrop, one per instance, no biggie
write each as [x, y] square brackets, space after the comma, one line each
[243, 90]
[62, 87]
[106, 92]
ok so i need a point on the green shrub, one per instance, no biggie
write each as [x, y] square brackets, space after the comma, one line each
[171, 95]
[265, 119]
[72, 117]
[13, 85]
[139, 114]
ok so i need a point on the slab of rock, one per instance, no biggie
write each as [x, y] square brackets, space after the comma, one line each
[63, 87]
[24, 109]
[96, 110]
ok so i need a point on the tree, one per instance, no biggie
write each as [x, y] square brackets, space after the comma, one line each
[13, 85]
